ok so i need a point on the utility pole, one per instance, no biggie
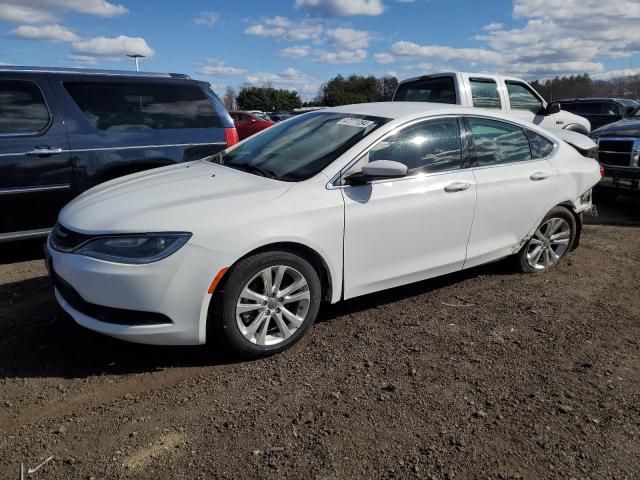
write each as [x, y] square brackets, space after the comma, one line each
[135, 57]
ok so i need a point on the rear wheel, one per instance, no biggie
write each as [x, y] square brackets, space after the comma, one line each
[551, 241]
[269, 302]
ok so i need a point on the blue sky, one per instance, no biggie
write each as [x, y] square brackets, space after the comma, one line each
[298, 44]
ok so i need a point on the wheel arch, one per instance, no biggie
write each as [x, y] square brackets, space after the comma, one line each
[577, 217]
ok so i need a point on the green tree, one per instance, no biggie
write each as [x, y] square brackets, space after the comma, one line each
[267, 99]
[357, 89]
[386, 88]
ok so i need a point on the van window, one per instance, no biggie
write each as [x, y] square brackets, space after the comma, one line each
[437, 90]
[498, 142]
[22, 108]
[484, 93]
[143, 106]
[521, 98]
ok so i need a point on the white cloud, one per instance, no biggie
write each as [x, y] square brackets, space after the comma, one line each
[391, 73]
[38, 11]
[286, 28]
[53, 33]
[410, 49]
[290, 79]
[493, 26]
[342, 56]
[218, 68]
[384, 58]
[207, 19]
[83, 59]
[342, 8]
[120, 45]
[625, 72]
[349, 38]
[299, 51]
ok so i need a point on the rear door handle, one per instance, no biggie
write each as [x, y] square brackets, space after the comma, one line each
[457, 187]
[537, 176]
[44, 151]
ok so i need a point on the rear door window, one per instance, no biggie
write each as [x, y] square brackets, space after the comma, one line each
[484, 93]
[498, 142]
[22, 108]
[437, 90]
[123, 106]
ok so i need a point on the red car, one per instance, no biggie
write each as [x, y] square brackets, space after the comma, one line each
[249, 123]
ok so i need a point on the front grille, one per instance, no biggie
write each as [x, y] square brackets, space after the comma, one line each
[118, 316]
[65, 240]
[615, 152]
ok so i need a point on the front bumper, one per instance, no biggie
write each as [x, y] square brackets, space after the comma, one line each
[161, 303]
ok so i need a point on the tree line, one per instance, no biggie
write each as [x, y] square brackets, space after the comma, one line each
[342, 90]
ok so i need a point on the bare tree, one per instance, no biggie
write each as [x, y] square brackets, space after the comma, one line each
[229, 98]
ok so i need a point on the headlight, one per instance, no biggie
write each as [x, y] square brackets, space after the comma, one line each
[134, 249]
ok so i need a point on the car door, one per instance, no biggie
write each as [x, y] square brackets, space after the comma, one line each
[244, 125]
[514, 187]
[35, 167]
[404, 230]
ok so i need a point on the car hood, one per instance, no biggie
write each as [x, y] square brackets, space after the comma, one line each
[623, 128]
[175, 198]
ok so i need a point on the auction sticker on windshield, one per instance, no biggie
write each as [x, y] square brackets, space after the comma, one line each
[356, 122]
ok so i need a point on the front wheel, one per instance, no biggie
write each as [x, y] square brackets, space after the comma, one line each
[270, 300]
[551, 241]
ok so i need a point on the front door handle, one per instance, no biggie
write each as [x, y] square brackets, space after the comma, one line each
[42, 151]
[537, 176]
[457, 187]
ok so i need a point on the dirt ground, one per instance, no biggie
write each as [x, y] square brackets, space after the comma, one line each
[484, 374]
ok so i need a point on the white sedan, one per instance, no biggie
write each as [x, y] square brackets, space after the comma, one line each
[328, 205]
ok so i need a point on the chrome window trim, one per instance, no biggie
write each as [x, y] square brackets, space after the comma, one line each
[331, 185]
[46, 104]
[99, 149]
[34, 189]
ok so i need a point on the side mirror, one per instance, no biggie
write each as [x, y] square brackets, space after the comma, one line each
[378, 170]
[553, 108]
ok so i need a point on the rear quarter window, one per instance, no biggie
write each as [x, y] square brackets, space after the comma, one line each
[540, 146]
[22, 108]
[122, 106]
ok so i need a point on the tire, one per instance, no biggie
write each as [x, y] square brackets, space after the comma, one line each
[237, 316]
[554, 238]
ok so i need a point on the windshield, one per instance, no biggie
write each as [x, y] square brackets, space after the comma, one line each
[262, 116]
[301, 147]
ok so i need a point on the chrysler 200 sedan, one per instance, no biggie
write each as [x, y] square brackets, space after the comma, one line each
[330, 205]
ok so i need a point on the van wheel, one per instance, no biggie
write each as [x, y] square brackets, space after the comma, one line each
[269, 302]
[549, 244]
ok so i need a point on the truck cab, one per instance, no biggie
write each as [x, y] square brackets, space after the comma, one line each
[510, 95]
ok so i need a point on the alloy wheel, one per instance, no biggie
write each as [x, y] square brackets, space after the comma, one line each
[273, 305]
[549, 243]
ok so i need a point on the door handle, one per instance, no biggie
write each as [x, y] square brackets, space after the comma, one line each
[537, 176]
[457, 187]
[44, 151]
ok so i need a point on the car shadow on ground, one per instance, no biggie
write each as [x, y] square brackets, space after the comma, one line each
[624, 210]
[38, 339]
[21, 251]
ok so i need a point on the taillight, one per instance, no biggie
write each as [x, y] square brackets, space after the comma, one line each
[231, 136]
[601, 171]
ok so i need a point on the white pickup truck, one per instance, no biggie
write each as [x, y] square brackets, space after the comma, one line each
[511, 95]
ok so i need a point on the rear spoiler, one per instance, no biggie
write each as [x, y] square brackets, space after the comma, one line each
[580, 142]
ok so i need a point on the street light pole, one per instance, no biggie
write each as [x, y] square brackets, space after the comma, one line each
[135, 57]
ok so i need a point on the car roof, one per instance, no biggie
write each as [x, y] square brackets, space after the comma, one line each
[596, 99]
[396, 110]
[88, 71]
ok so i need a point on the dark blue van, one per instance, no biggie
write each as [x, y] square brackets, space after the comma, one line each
[63, 131]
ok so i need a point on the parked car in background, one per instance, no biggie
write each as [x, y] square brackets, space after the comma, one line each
[619, 153]
[599, 111]
[280, 116]
[330, 205]
[248, 123]
[510, 95]
[63, 131]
